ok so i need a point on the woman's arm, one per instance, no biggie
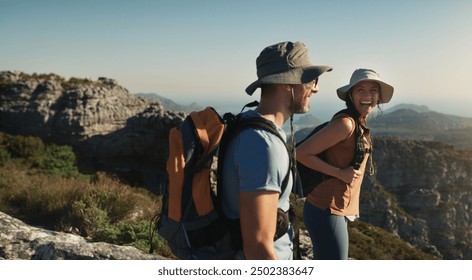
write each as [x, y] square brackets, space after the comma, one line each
[336, 131]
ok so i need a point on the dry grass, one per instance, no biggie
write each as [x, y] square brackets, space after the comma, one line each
[99, 208]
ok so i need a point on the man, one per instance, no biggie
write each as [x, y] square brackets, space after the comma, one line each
[257, 161]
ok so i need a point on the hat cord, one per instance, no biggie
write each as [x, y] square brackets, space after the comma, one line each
[292, 131]
[297, 188]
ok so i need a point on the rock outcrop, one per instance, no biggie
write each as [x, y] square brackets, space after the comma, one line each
[20, 241]
[52, 108]
[423, 193]
[110, 128]
[422, 190]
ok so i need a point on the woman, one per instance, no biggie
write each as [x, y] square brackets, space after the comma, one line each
[336, 200]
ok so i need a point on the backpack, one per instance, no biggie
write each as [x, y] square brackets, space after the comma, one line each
[191, 219]
[309, 178]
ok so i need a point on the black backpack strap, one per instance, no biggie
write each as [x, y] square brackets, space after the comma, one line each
[360, 149]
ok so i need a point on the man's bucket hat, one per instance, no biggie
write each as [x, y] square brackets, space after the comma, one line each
[285, 63]
[386, 90]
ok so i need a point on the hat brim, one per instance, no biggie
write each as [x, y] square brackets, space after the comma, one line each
[295, 76]
[386, 90]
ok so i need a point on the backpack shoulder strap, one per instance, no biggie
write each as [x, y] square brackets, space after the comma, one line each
[360, 147]
[313, 131]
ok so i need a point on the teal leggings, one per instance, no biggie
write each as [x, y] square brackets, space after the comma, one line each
[328, 233]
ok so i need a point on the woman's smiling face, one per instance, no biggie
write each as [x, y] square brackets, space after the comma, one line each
[365, 96]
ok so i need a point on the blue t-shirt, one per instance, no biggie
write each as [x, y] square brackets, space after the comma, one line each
[257, 160]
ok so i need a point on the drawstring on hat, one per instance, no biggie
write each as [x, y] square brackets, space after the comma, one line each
[292, 131]
[297, 188]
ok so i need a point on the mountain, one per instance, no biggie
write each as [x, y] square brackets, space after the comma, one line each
[301, 122]
[405, 106]
[424, 125]
[170, 105]
[407, 121]
[307, 120]
[109, 128]
[422, 191]
[429, 121]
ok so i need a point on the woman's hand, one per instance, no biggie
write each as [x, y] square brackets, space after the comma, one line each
[349, 175]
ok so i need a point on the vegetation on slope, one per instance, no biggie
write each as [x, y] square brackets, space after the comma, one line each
[40, 184]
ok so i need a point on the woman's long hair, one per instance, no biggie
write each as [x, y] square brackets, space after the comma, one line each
[352, 109]
[366, 131]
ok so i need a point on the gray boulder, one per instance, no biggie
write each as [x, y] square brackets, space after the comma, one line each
[21, 241]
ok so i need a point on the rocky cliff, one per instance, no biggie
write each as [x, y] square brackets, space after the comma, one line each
[422, 190]
[20, 241]
[109, 128]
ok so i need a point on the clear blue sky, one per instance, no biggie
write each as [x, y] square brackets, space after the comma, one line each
[203, 50]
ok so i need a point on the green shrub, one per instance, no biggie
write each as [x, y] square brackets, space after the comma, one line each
[43, 76]
[43, 187]
[118, 214]
[4, 156]
[98, 228]
[27, 147]
[88, 219]
[60, 161]
[367, 242]
[40, 199]
[138, 234]
[74, 82]
[54, 159]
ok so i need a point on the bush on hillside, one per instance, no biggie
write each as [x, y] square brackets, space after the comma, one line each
[40, 184]
[27, 147]
[52, 158]
[4, 156]
[59, 160]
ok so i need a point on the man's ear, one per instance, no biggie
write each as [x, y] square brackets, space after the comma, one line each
[287, 87]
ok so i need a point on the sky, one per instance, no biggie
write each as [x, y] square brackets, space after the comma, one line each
[205, 51]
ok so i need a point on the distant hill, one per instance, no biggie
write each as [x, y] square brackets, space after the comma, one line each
[423, 122]
[407, 121]
[307, 120]
[301, 122]
[170, 105]
[425, 125]
[413, 107]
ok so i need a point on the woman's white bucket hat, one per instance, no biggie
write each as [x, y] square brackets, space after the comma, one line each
[386, 90]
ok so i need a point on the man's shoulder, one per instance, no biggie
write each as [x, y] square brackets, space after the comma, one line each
[263, 131]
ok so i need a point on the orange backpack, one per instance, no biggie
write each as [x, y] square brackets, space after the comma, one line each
[191, 218]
